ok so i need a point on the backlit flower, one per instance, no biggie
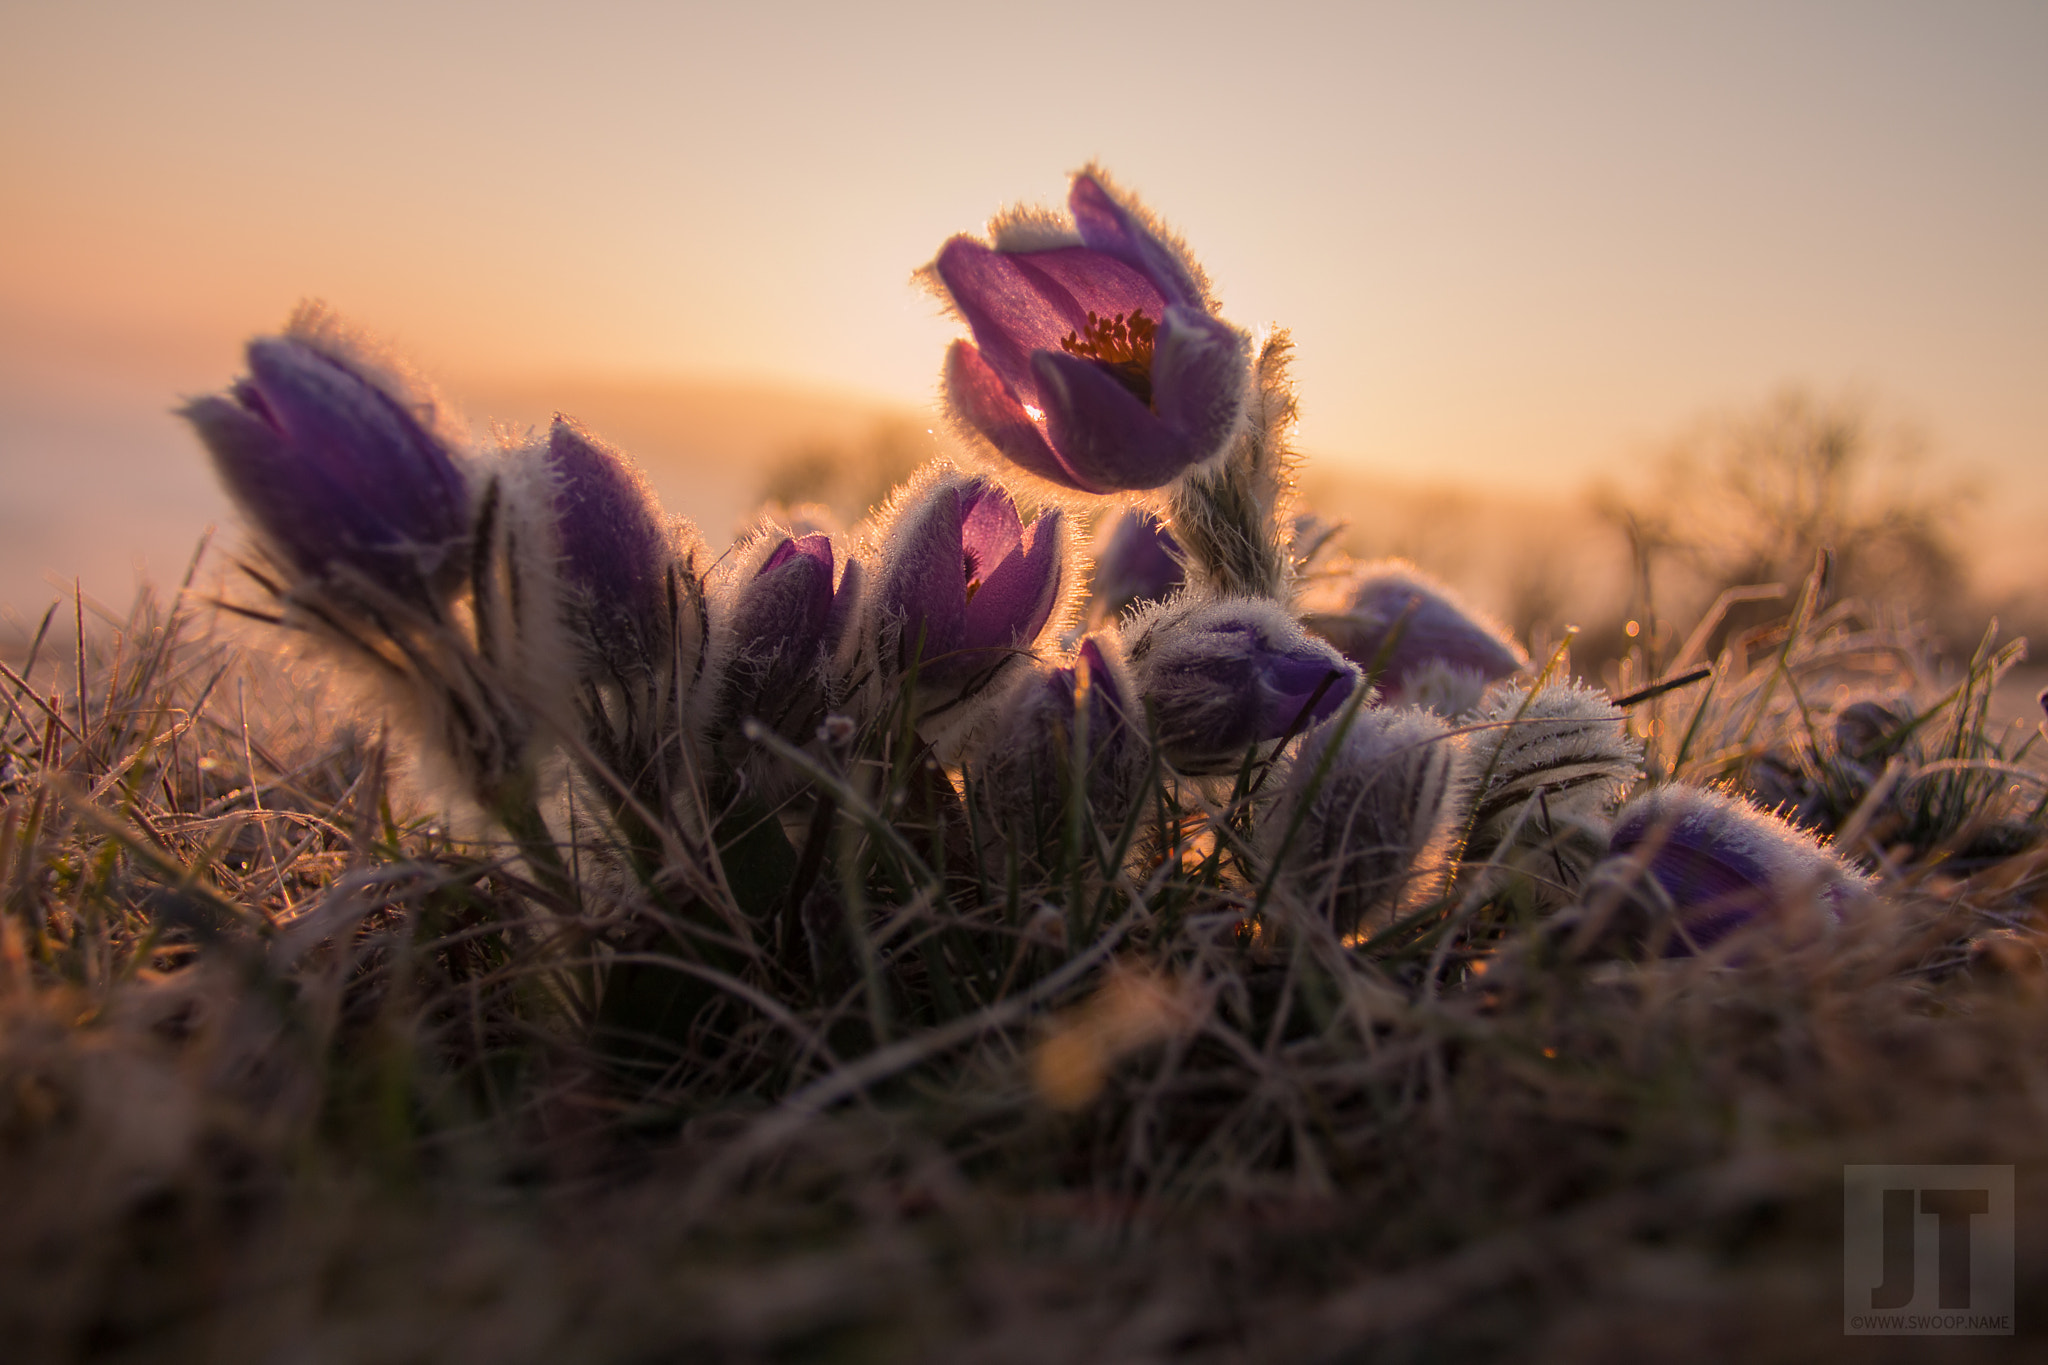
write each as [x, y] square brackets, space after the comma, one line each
[961, 583]
[339, 463]
[786, 621]
[1366, 822]
[1391, 618]
[1221, 677]
[1722, 862]
[615, 551]
[1098, 361]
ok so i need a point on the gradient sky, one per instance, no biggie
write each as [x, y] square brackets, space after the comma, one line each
[1517, 243]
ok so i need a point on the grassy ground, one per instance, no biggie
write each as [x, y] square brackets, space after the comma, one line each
[285, 1074]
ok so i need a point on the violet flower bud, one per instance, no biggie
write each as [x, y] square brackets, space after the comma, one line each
[1222, 677]
[1139, 562]
[1098, 361]
[1023, 769]
[785, 622]
[1366, 824]
[616, 552]
[1362, 614]
[339, 463]
[962, 583]
[1567, 749]
[1723, 862]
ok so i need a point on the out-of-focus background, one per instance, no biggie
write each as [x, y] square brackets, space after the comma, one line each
[1580, 290]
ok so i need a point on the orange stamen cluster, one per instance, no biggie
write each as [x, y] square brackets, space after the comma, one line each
[1122, 345]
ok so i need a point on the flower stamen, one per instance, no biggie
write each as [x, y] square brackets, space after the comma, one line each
[1122, 345]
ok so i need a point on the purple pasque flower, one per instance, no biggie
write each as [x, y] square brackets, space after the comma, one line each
[1368, 814]
[616, 551]
[1024, 767]
[786, 620]
[1139, 561]
[339, 463]
[1723, 862]
[1222, 676]
[1098, 362]
[1392, 617]
[963, 583]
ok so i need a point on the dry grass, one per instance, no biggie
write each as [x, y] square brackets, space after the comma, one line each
[290, 1072]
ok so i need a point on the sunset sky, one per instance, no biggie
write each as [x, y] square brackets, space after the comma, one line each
[1516, 243]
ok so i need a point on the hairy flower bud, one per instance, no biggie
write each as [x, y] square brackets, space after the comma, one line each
[1222, 676]
[339, 463]
[616, 551]
[1722, 862]
[1024, 769]
[1139, 561]
[1567, 749]
[1390, 617]
[1368, 818]
[962, 586]
[784, 622]
[1098, 362]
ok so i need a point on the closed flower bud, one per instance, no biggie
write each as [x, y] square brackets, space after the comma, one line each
[1023, 769]
[1391, 618]
[616, 551]
[1098, 361]
[1722, 862]
[1564, 755]
[1220, 677]
[784, 620]
[341, 465]
[1374, 831]
[1139, 561]
[962, 586]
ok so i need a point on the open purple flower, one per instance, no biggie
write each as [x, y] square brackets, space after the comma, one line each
[786, 620]
[1220, 677]
[1138, 562]
[615, 551]
[963, 581]
[1722, 861]
[1391, 616]
[1098, 361]
[338, 464]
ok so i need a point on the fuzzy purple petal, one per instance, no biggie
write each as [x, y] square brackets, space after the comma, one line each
[1017, 303]
[1015, 601]
[1102, 431]
[924, 587]
[613, 548]
[982, 397]
[367, 441]
[790, 599]
[1108, 227]
[1200, 371]
[989, 528]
